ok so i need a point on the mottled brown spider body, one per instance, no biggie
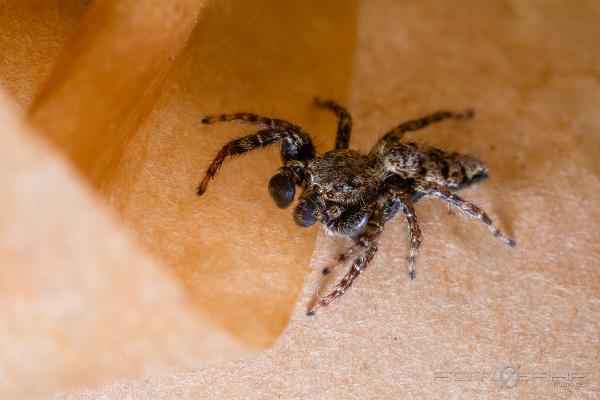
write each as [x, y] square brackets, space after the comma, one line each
[355, 194]
[414, 162]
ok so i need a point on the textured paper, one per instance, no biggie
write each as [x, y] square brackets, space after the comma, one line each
[530, 70]
[80, 302]
[119, 88]
[131, 123]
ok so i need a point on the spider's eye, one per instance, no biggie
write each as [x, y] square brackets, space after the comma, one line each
[329, 195]
[317, 189]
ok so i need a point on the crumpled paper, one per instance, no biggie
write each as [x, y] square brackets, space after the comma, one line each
[80, 301]
[111, 265]
[479, 311]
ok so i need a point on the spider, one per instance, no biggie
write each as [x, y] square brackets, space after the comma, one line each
[355, 194]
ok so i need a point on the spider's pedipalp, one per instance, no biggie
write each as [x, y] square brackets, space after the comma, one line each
[309, 209]
[344, 121]
[282, 187]
[434, 190]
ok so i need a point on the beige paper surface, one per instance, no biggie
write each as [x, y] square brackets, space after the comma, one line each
[530, 70]
[119, 87]
[80, 302]
[131, 123]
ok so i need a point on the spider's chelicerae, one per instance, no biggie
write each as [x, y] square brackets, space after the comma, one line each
[355, 194]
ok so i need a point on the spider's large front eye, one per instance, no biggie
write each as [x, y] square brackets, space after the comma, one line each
[329, 195]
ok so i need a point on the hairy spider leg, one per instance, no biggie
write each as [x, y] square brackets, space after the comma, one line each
[397, 200]
[360, 243]
[250, 118]
[295, 143]
[390, 208]
[359, 265]
[237, 147]
[420, 123]
[344, 127]
[431, 189]
[414, 232]
[368, 242]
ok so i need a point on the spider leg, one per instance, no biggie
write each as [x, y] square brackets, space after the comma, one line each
[413, 125]
[398, 200]
[344, 122]
[414, 232]
[295, 145]
[368, 242]
[434, 190]
[359, 265]
[351, 223]
[344, 225]
[251, 118]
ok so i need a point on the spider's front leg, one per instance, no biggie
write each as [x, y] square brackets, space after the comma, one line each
[337, 219]
[296, 148]
[398, 200]
[367, 243]
[352, 223]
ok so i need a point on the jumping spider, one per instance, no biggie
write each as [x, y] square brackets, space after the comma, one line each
[355, 194]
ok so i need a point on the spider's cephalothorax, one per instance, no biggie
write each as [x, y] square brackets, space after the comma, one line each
[355, 194]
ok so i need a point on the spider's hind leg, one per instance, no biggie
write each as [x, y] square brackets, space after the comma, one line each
[405, 204]
[434, 190]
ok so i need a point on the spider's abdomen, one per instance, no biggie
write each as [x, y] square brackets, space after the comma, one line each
[412, 161]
